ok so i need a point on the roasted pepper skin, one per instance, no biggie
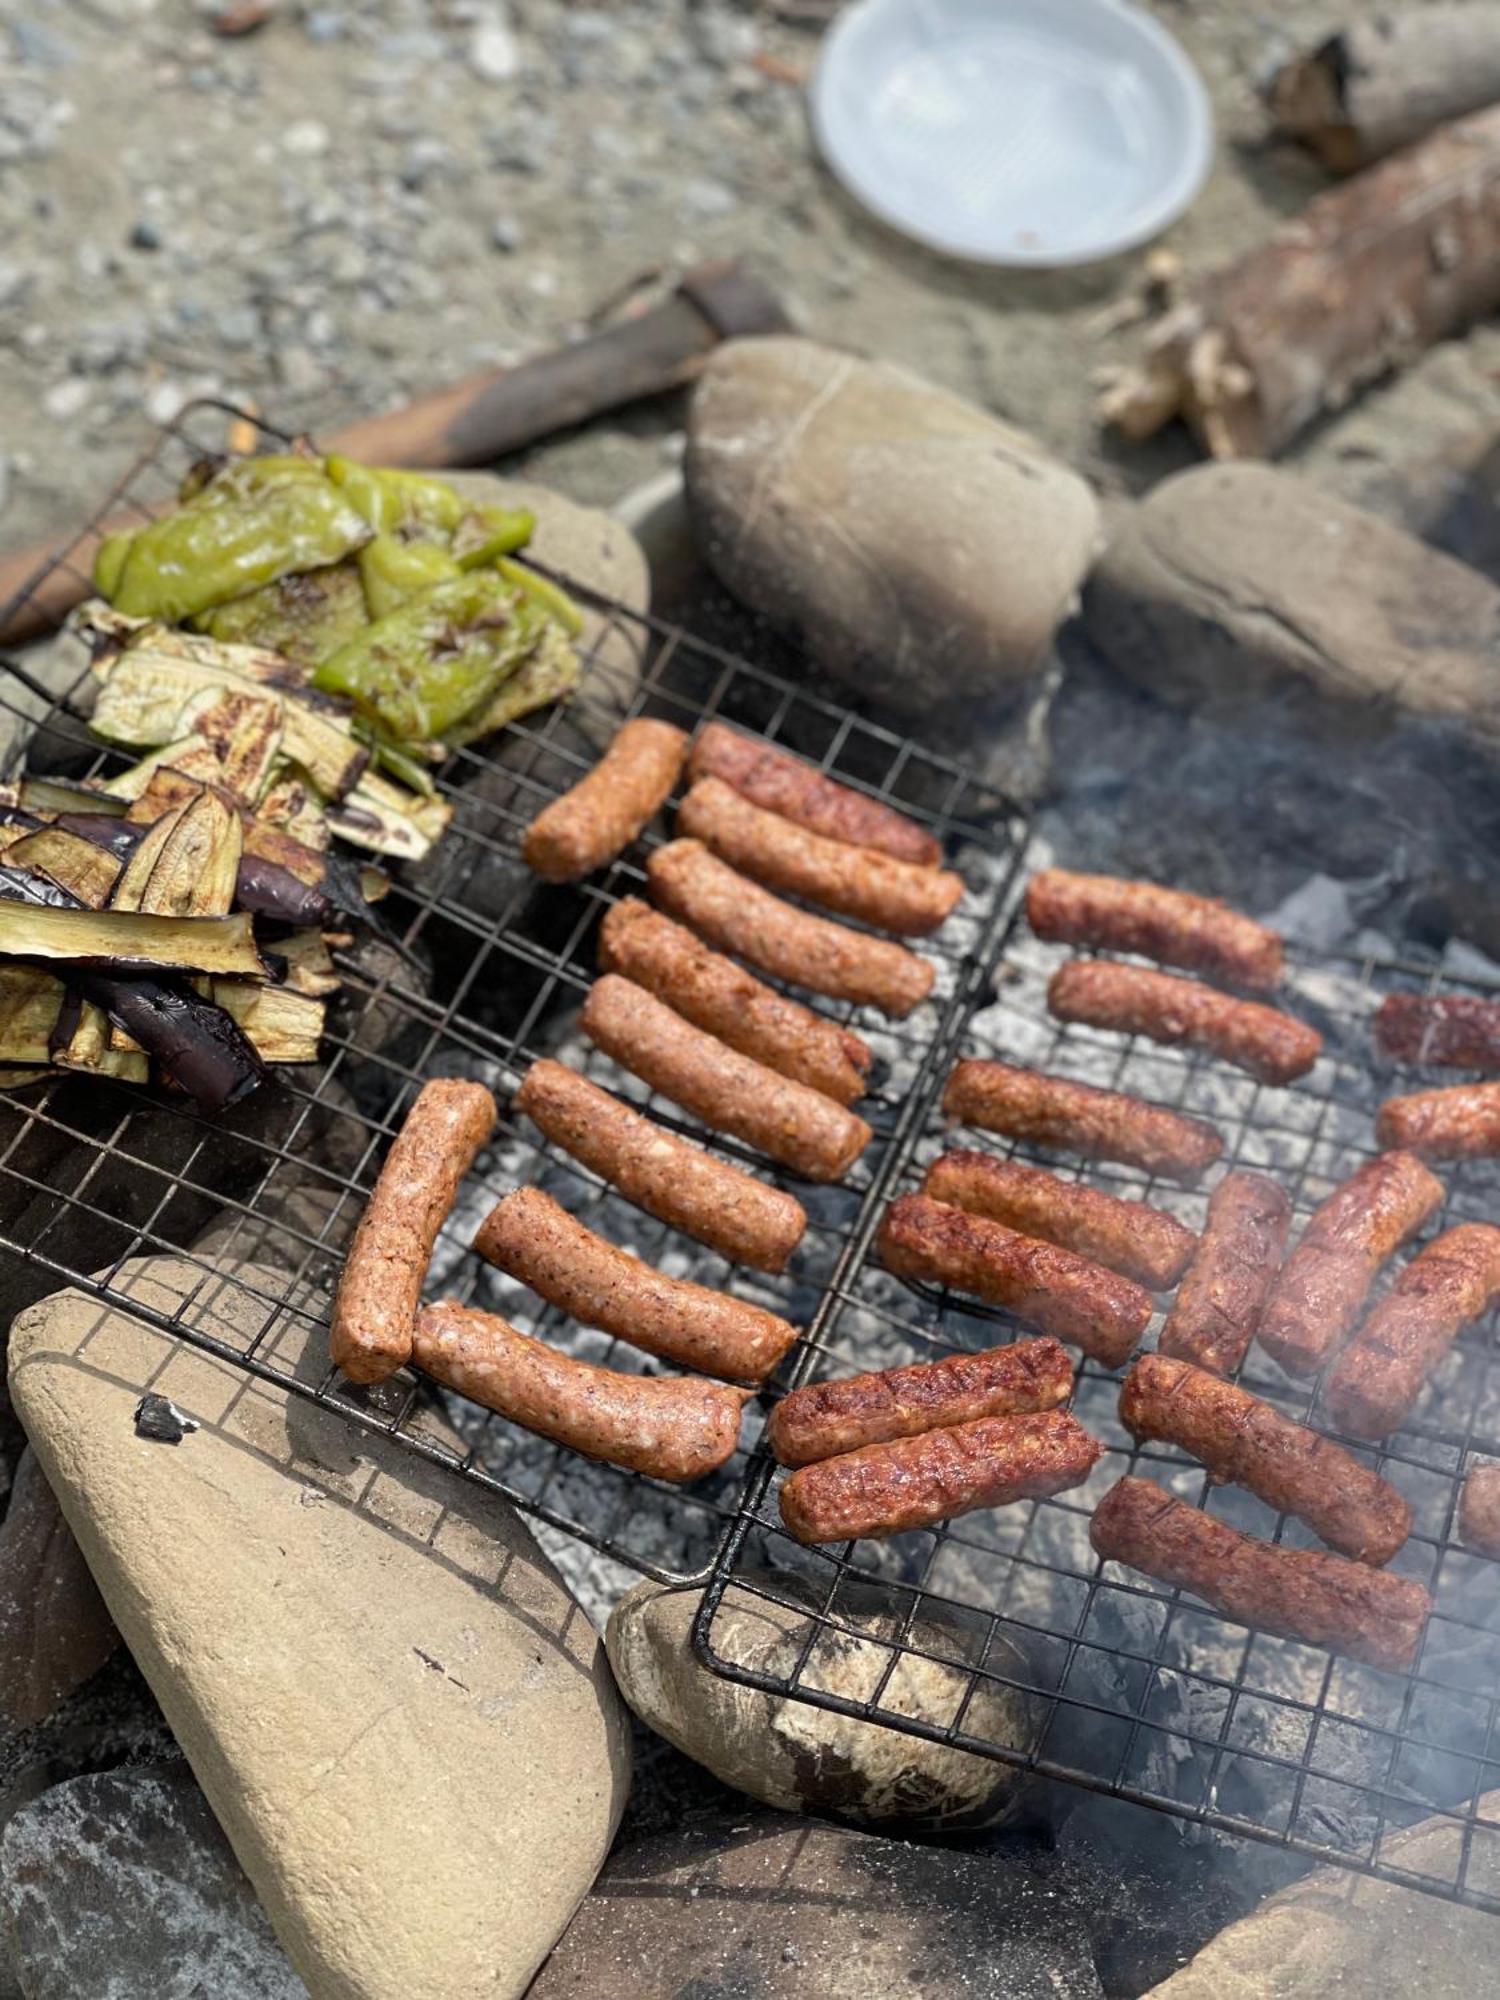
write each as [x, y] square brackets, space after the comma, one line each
[306, 616]
[405, 503]
[393, 571]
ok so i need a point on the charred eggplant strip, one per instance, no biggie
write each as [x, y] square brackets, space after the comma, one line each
[224, 946]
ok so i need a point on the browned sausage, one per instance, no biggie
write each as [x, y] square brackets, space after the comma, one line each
[856, 881]
[606, 809]
[1245, 1442]
[1219, 1303]
[785, 784]
[1458, 1030]
[678, 1427]
[737, 915]
[1479, 1511]
[1373, 1386]
[827, 1418]
[533, 1238]
[1078, 1118]
[798, 1127]
[680, 1184]
[1461, 1123]
[1050, 1288]
[375, 1309]
[1142, 1242]
[718, 996]
[1316, 1299]
[1198, 933]
[915, 1482]
[1137, 1001]
[1294, 1593]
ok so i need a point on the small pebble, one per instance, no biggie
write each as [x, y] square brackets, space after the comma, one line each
[145, 235]
[494, 55]
[506, 234]
[306, 138]
[66, 398]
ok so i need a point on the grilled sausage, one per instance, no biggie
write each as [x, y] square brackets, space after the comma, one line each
[707, 1199]
[1137, 1001]
[1316, 1299]
[1479, 1511]
[716, 995]
[1050, 1288]
[1457, 1030]
[736, 915]
[1373, 1386]
[1219, 1302]
[1461, 1123]
[375, 1309]
[678, 1427]
[857, 882]
[1131, 1237]
[1245, 1442]
[1304, 1594]
[915, 1482]
[600, 816]
[1197, 933]
[781, 783]
[827, 1418]
[1078, 1118]
[796, 1126]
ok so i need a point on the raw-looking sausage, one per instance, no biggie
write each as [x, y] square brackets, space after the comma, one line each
[1080, 1118]
[1460, 1123]
[1245, 1442]
[1198, 933]
[856, 881]
[677, 1182]
[1223, 1294]
[1479, 1511]
[375, 1309]
[1456, 1030]
[1050, 1288]
[1373, 1386]
[785, 784]
[724, 1000]
[827, 1418]
[1305, 1594]
[533, 1238]
[915, 1482]
[606, 809]
[674, 1427]
[796, 1126]
[1131, 1237]
[1138, 1001]
[737, 915]
[1316, 1299]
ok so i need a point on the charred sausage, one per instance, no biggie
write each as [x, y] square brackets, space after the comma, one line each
[1373, 1386]
[857, 882]
[716, 995]
[707, 1199]
[827, 1418]
[1457, 1030]
[736, 915]
[600, 816]
[1316, 1299]
[1137, 1001]
[677, 1427]
[533, 1238]
[1079, 1118]
[1131, 1237]
[1461, 1123]
[375, 1309]
[1303, 1594]
[796, 1126]
[1197, 933]
[1245, 1442]
[1479, 1511]
[781, 783]
[1218, 1305]
[915, 1482]
[1050, 1288]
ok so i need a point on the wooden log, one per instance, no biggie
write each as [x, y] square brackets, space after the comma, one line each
[1369, 276]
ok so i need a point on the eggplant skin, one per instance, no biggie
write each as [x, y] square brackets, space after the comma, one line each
[196, 1044]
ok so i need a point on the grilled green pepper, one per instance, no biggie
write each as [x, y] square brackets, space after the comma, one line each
[307, 617]
[406, 503]
[393, 571]
[487, 532]
[544, 594]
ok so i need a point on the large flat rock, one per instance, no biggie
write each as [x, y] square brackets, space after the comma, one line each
[400, 1716]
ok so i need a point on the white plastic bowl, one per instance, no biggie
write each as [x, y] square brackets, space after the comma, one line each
[1036, 132]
